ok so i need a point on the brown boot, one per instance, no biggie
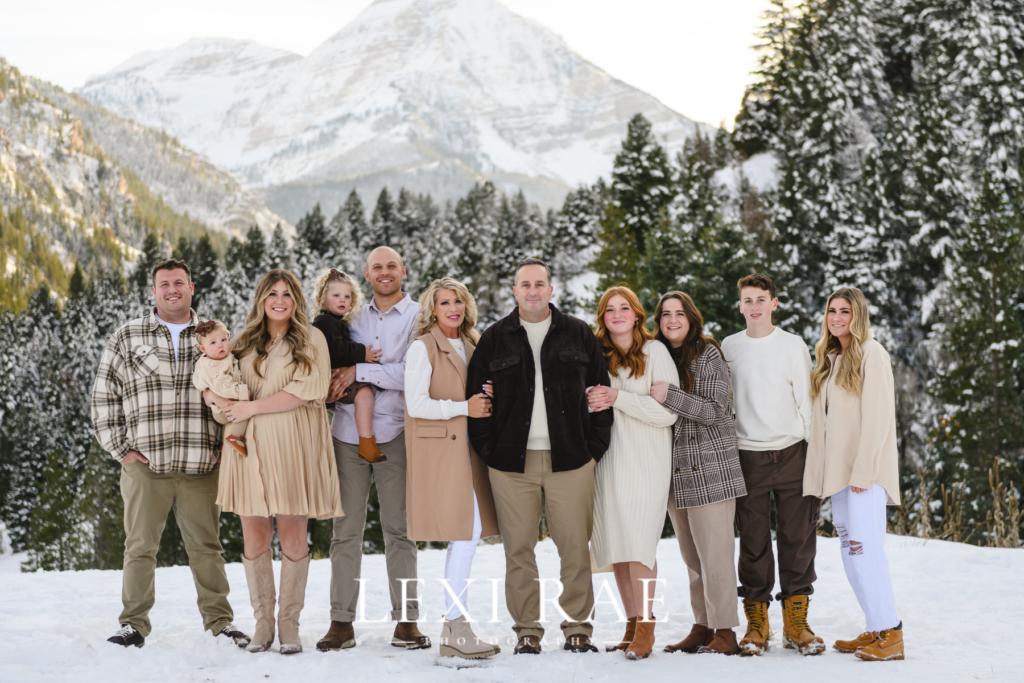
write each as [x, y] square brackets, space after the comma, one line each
[724, 643]
[643, 640]
[851, 646]
[886, 646]
[259, 574]
[238, 442]
[626, 639]
[699, 636]
[293, 598]
[755, 642]
[369, 452]
[527, 645]
[796, 634]
[340, 636]
[408, 635]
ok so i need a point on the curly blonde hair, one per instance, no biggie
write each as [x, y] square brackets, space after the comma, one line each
[255, 338]
[425, 318]
[323, 286]
[848, 374]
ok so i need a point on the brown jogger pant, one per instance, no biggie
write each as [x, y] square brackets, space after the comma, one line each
[779, 473]
[148, 498]
[568, 500]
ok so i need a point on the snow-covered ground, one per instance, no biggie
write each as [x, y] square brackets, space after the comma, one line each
[961, 608]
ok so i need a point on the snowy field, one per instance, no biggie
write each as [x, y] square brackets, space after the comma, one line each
[961, 608]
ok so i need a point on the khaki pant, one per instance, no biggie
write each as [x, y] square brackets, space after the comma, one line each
[148, 498]
[347, 543]
[706, 542]
[568, 500]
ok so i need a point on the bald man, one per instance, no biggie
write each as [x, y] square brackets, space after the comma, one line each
[386, 324]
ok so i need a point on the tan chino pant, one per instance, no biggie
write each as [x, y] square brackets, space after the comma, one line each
[707, 544]
[354, 474]
[568, 500]
[148, 499]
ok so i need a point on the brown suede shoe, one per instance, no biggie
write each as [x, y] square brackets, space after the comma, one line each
[626, 639]
[239, 444]
[699, 636]
[340, 636]
[643, 640]
[724, 643]
[527, 645]
[369, 452]
[579, 642]
[851, 646]
[408, 635]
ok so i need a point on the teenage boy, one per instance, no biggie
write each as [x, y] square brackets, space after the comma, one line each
[771, 372]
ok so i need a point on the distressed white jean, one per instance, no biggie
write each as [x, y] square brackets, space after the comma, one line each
[457, 566]
[860, 522]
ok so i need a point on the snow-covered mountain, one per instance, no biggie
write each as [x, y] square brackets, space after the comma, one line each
[430, 94]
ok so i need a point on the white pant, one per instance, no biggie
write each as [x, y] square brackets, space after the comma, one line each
[860, 523]
[457, 566]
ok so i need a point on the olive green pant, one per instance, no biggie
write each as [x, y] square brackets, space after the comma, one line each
[148, 498]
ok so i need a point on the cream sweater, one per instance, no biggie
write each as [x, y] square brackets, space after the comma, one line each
[538, 440]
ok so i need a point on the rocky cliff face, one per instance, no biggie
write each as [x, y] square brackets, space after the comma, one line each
[431, 94]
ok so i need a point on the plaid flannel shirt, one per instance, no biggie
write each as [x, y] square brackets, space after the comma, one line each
[705, 458]
[143, 401]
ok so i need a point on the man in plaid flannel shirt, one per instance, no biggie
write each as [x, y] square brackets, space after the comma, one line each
[147, 414]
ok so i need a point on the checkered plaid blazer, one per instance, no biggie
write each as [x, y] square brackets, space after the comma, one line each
[705, 459]
[142, 401]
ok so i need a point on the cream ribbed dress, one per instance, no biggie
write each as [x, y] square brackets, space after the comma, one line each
[290, 467]
[632, 480]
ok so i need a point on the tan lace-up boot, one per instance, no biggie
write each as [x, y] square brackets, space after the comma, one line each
[755, 642]
[887, 646]
[851, 646]
[796, 634]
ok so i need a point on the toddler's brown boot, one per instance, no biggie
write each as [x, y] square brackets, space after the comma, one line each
[369, 452]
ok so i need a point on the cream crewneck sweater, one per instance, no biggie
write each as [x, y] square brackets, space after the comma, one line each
[538, 440]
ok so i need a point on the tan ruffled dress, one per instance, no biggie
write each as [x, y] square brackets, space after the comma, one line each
[290, 469]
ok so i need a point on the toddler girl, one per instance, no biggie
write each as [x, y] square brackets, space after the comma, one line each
[337, 300]
[217, 370]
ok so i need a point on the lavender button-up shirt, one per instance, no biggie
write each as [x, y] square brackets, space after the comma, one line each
[390, 332]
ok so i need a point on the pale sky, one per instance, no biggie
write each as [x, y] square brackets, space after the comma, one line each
[693, 55]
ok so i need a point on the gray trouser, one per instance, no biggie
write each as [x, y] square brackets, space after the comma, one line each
[347, 544]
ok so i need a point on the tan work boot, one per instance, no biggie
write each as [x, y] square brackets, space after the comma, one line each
[724, 643]
[259, 574]
[755, 642]
[369, 452]
[851, 646]
[627, 638]
[292, 600]
[643, 640]
[699, 637]
[458, 640]
[796, 634]
[886, 646]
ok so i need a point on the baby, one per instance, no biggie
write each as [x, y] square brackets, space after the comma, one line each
[337, 300]
[218, 371]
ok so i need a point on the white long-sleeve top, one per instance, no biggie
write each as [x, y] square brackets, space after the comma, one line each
[418, 372]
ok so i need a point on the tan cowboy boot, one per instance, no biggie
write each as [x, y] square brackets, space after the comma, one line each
[259, 574]
[293, 598]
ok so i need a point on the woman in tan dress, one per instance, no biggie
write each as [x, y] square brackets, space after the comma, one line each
[448, 492]
[289, 472]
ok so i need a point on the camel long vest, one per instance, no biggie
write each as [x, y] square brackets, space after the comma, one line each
[442, 469]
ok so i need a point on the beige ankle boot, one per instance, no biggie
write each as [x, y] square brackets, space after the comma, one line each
[458, 640]
[259, 574]
[293, 597]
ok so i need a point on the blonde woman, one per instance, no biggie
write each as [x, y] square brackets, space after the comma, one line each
[448, 493]
[631, 482]
[852, 457]
[289, 473]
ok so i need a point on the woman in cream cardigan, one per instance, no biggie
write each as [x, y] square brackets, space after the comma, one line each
[448, 492]
[852, 457]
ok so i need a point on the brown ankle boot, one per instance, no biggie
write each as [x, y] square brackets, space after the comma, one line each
[851, 646]
[340, 636]
[724, 643]
[408, 635]
[626, 639]
[796, 634]
[886, 646]
[699, 636]
[755, 642]
[238, 442]
[369, 452]
[643, 640]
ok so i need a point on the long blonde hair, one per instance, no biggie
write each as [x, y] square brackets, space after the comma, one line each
[425, 318]
[323, 285]
[634, 359]
[848, 374]
[255, 337]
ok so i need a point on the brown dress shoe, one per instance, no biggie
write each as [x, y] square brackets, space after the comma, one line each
[578, 642]
[369, 452]
[408, 635]
[643, 640]
[626, 639]
[340, 636]
[699, 637]
[724, 643]
[527, 645]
